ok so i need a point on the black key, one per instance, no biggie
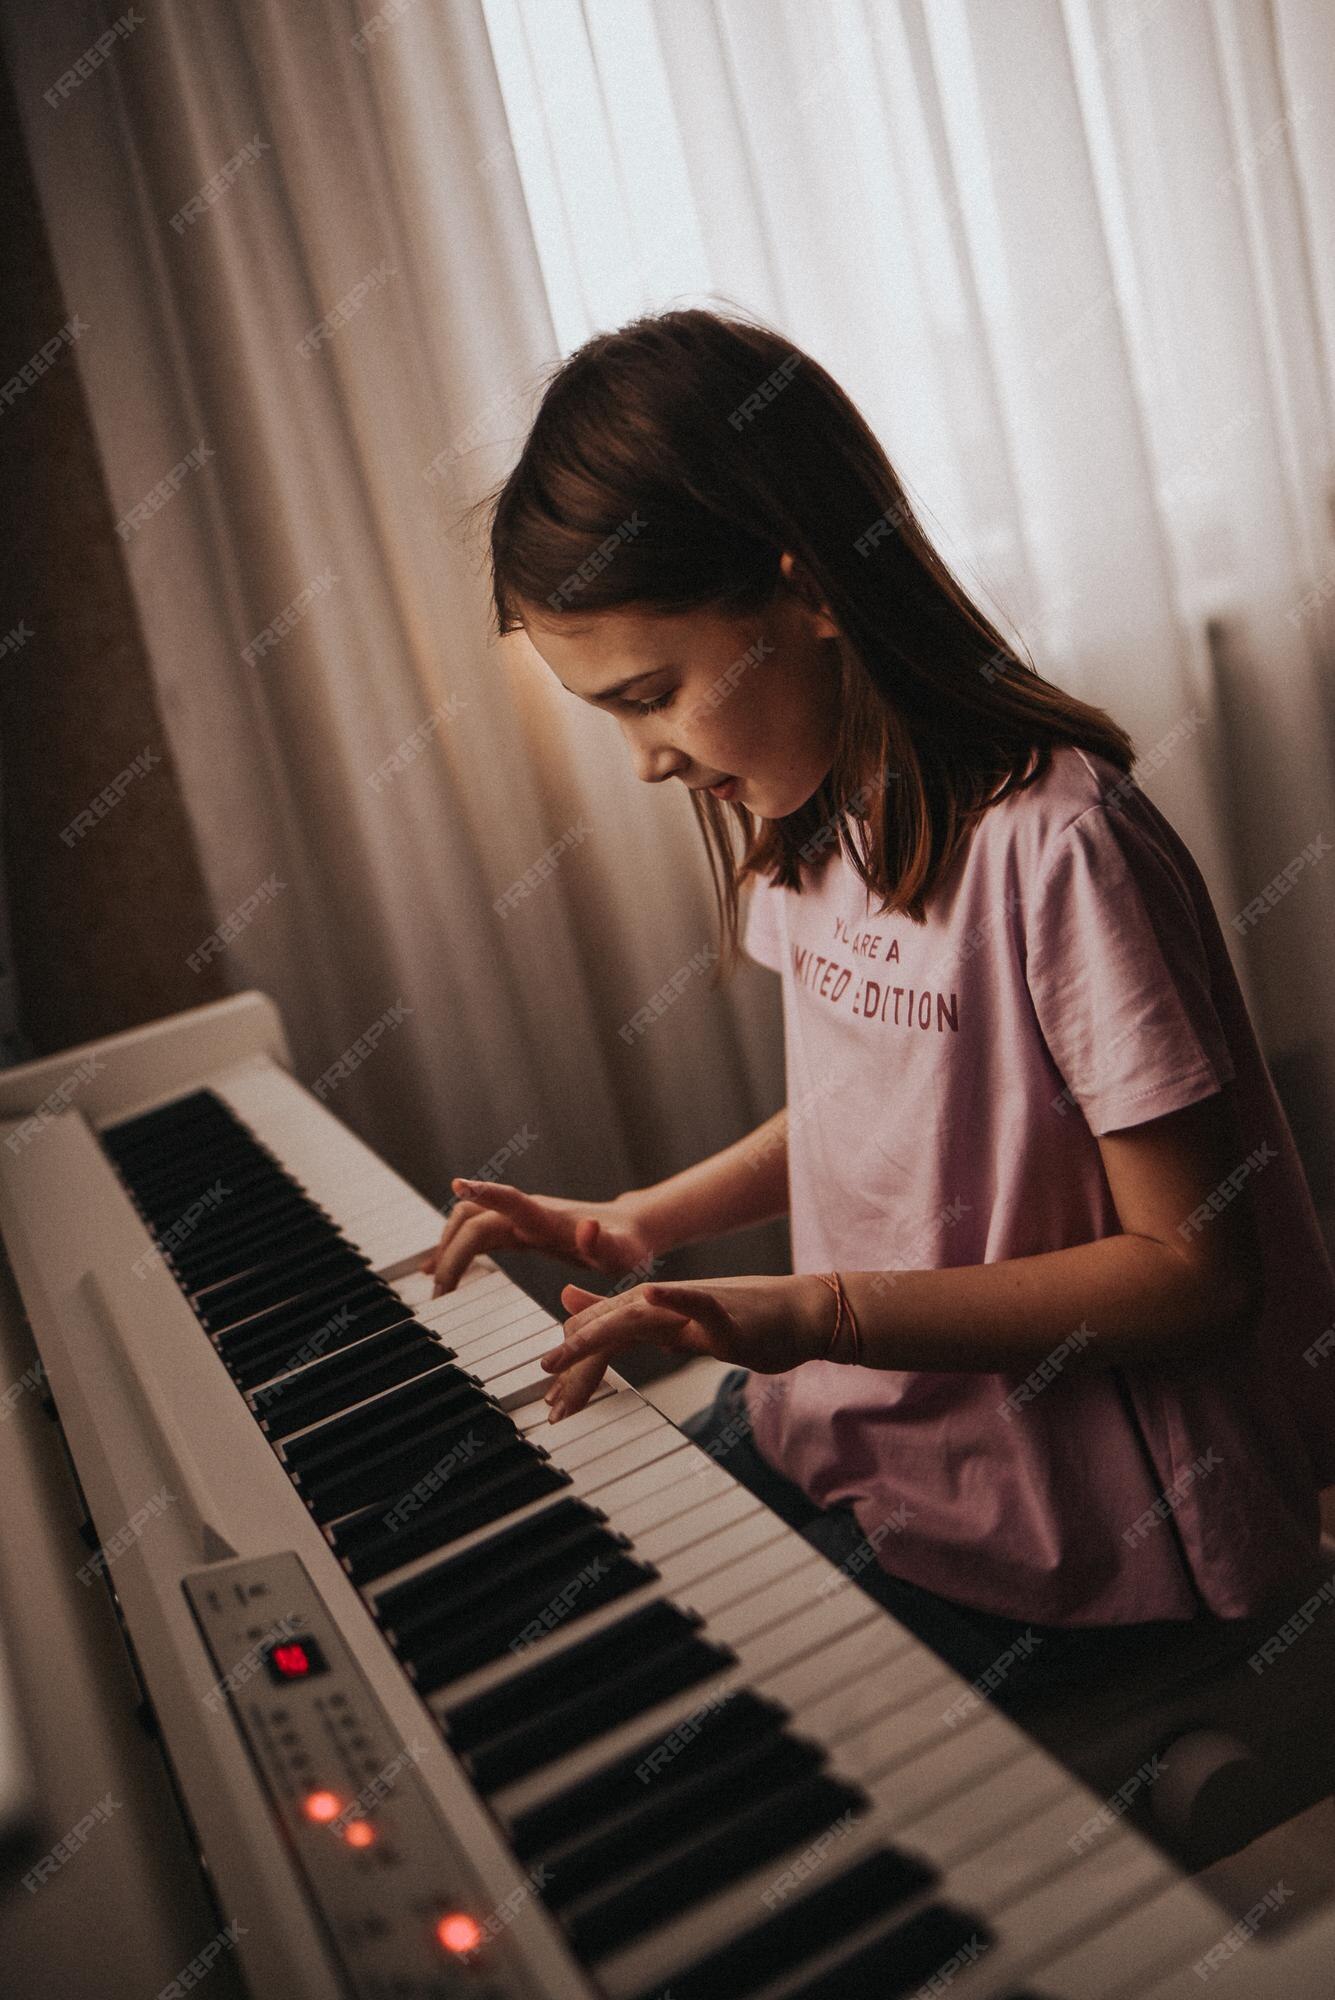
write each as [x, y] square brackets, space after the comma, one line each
[176, 1112]
[576, 1594]
[373, 1543]
[190, 1103]
[239, 1169]
[642, 1897]
[205, 1261]
[537, 1551]
[300, 1315]
[938, 1940]
[234, 1191]
[292, 1326]
[459, 1576]
[236, 1163]
[802, 1929]
[191, 1145]
[224, 1305]
[347, 1439]
[451, 1452]
[596, 1663]
[200, 1265]
[739, 1720]
[551, 1732]
[276, 1355]
[198, 1238]
[321, 1388]
[663, 1817]
[259, 1264]
[278, 1276]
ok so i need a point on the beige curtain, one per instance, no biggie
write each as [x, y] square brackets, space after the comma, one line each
[315, 331]
[1067, 257]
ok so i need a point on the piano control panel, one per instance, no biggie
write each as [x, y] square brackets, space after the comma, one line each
[403, 1912]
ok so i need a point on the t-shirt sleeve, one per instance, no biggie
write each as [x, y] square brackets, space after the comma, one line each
[1119, 974]
[762, 933]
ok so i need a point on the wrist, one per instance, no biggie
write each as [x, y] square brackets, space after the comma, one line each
[815, 1307]
[647, 1215]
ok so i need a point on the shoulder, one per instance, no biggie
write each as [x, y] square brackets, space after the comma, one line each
[1081, 796]
[1085, 843]
[1075, 782]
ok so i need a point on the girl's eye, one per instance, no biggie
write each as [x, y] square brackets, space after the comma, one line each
[652, 707]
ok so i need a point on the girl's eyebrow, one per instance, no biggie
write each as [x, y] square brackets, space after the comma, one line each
[621, 686]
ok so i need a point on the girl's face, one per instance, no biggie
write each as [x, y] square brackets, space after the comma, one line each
[706, 698]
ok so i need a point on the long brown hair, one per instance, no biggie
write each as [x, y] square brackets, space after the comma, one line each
[668, 466]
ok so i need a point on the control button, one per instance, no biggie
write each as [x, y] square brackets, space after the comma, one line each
[459, 1933]
[294, 1660]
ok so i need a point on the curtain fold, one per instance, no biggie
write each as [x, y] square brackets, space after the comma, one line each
[348, 331]
[1065, 254]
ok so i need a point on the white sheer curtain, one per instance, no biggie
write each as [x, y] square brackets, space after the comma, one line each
[1065, 256]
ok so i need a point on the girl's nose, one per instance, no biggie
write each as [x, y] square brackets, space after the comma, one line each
[653, 766]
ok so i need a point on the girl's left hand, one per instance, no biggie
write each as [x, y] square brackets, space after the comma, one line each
[765, 1324]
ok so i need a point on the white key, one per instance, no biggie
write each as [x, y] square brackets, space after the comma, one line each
[1073, 1899]
[471, 1321]
[683, 1531]
[533, 1424]
[862, 1654]
[628, 1424]
[640, 1489]
[888, 1687]
[734, 1589]
[687, 1489]
[521, 1380]
[1163, 1941]
[974, 1791]
[790, 1597]
[631, 1457]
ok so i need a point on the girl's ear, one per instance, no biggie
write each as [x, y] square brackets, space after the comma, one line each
[803, 586]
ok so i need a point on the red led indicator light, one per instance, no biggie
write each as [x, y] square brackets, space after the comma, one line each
[359, 1833]
[459, 1932]
[292, 1661]
[322, 1806]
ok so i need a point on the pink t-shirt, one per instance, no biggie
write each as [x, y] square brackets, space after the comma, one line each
[945, 1083]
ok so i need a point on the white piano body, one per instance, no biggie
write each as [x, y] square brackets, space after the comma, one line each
[349, 1844]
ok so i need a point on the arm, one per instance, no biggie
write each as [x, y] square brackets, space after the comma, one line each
[1179, 1285]
[1181, 1279]
[746, 1183]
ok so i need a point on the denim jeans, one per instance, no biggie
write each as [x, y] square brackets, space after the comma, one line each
[1047, 1658]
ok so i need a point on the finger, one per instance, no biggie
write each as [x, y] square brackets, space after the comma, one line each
[450, 1209]
[586, 1307]
[583, 1296]
[481, 1230]
[482, 1190]
[511, 1201]
[571, 1391]
[455, 1217]
[624, 1324]
[455, 1209]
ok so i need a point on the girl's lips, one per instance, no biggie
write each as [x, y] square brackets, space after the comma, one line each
[723, 791]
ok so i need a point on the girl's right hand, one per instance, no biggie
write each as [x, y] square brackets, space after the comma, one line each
[609, 1236]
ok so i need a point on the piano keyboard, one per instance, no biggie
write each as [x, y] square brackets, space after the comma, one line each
[464, 1703]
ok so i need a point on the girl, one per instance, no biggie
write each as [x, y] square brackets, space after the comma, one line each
[1050, 1365]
